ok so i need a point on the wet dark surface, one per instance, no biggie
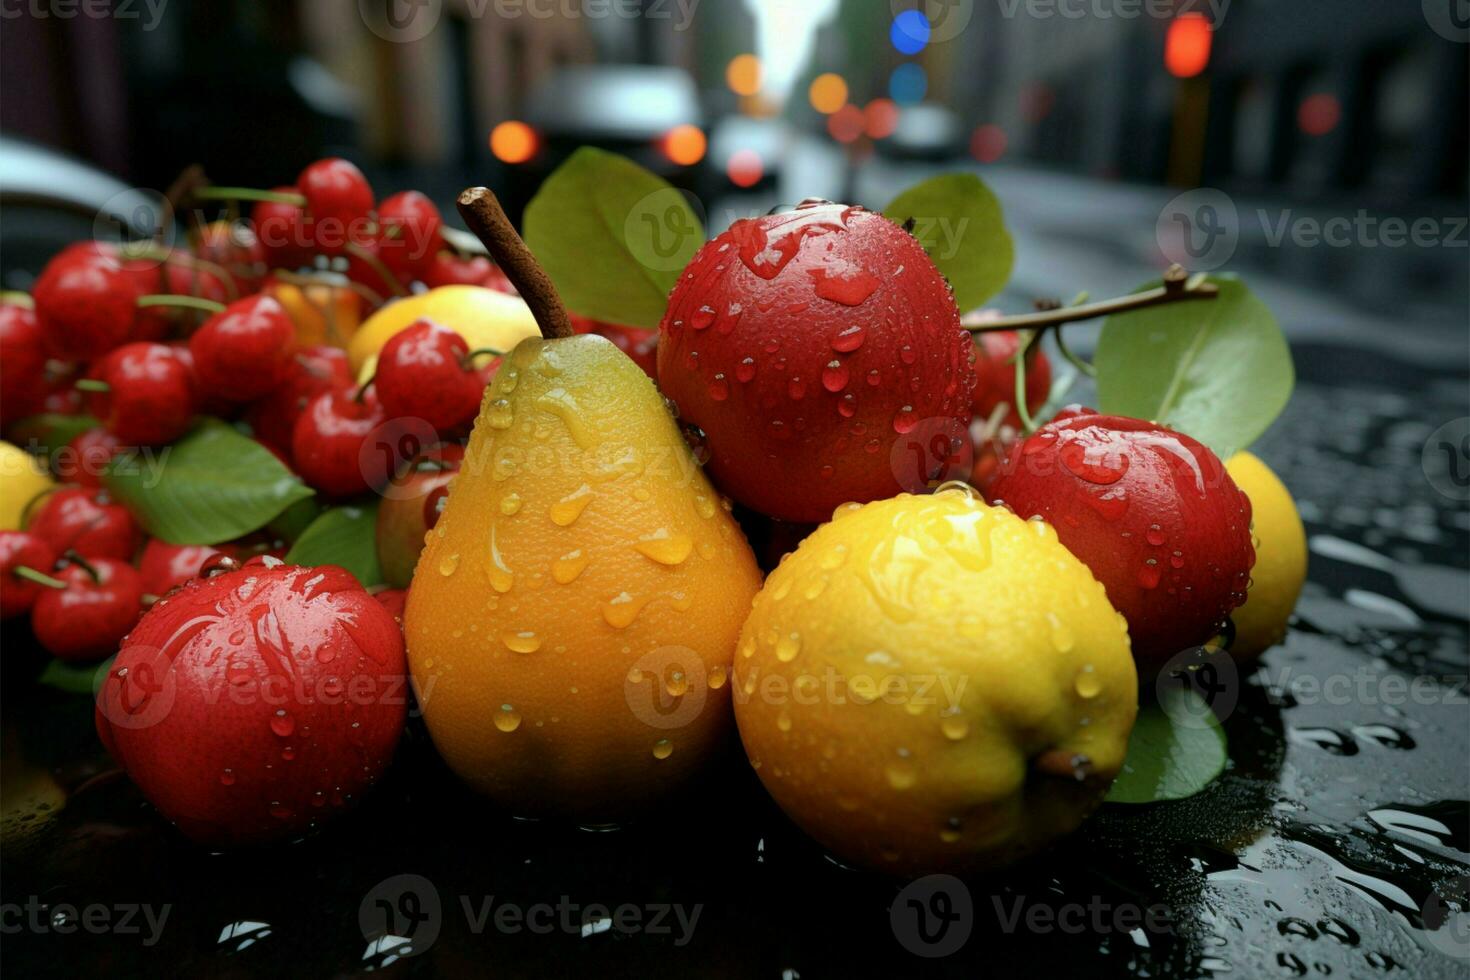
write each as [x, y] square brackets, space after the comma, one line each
[1336, 843]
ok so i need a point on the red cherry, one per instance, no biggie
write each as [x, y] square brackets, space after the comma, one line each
[19, 549]
[86, 304]
[411, 234]
[87, 522]
[62, 395]
[86, 456]
[88, 619]
[995, 376]
[639, 344]
[338, 203]
[422, 373]
[367, 273]
[234, 246]
[328, 440]
[150, 394]
[393, 600]
[1151, 511]
[813, 347]
[165, 565]
[448, 269]
[244, 351]
[312, 371]
[22, 363]
[280, 229]
[252, 705]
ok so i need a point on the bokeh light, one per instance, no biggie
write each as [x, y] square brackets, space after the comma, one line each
[988, 143]
[846, 124]
[743, 74]
[908, 84]
[514, 142]
[1187, 45]
[910, 32]
[685, 145]
[745, 168]
[828, 93]
[1319, 114]
[880, 118]
[1037, 100]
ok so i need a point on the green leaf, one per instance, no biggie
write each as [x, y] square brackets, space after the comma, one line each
[1218, 370]
[213, 485]
[290, 523]
[49, 431]
[346, 536]
[958, 220]
[1177, 749]
[74, 678]
[612, 236]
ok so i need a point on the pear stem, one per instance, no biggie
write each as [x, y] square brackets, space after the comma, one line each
[486, 218]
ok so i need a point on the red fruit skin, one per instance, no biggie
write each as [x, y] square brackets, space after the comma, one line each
[326, 445]
[151, 396]
[411, 234]
[995, 376]
[86, 304]
[1150, 511]
[62, 395]
[422, 374]
[280, 230]
[88, 522]
[448, 269]
[88, 619]
[338, 202]
[17, 548]
[821, 300]
[253, 705]
[244, 351]
[22, 363]
[312, 371]
[393, 600]
[237, 249]
[641, 345]
[86, 457]
[163, 565]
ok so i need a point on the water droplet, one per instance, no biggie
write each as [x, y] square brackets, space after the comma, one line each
[787, 647]
[702, 317]
[1103, 465]
[1088, 684]
[524, 641]
[783, 721]
[1149, 573]
[282, 723]
[666, 548]
[510, 504]
[716, 677]
[622, 609]
[569, 508]
[662, 749]
[719, 388]
[507, 719]
[905, 420]
[745, 370]
[499, 415]
[901, 775]
[1061, 637]
[954, 726]
[796, 389]
[703, 506]
[875, 378]
[448, 564]
[850, 338]
[227, 777]
[566, 568]
[834, 376]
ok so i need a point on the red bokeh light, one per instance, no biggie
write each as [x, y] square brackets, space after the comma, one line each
[846, 124]
[988, 144]
[745, 168]
[880, 118]
[1187, 45]
[1319, 114]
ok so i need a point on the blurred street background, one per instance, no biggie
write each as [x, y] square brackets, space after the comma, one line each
[1331, 132]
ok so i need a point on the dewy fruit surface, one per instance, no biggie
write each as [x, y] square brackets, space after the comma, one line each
[575, 609]
[1151, 511]
[806, 344]
[1281, 558]
[918, 680]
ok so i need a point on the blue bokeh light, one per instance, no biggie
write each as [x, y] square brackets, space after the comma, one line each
[908, 84]
[910, 32]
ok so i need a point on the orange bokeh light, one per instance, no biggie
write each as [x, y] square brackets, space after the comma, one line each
[1187, 45]
[685, 145]
[745, 168]
[846, 124]
[514, 142]
[743, 74]
[828, 93]
[880, 118]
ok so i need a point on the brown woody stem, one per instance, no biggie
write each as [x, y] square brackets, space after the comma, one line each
[485, 217]
[1178, 286]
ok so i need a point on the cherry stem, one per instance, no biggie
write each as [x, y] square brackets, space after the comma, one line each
[468, 361]
[1023, 412]
[1178, 286]
[486, 218]
[188, 302]
[249, 194]
[74, 558]
[92, 384]
[1078, 362]
[376, 264]
[17, 298]
[40, 578]
[362, 389]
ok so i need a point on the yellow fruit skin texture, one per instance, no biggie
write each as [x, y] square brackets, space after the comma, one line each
[22, 478]
[962, 643]
[579, 541]
[484, 317]
[1281, 558]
